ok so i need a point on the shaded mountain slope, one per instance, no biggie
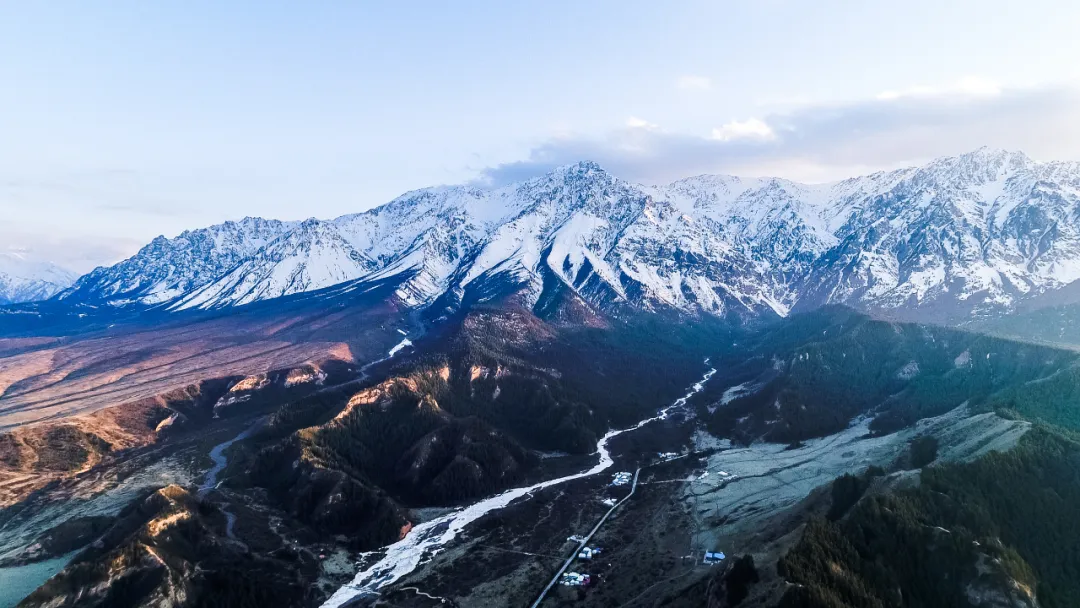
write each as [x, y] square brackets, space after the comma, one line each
[993, 532]
[170, 549]
[810, 375]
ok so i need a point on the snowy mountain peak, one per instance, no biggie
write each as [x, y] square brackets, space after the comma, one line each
[976, 168]
[579, 169]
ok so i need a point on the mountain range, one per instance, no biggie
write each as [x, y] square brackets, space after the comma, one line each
[970, 236]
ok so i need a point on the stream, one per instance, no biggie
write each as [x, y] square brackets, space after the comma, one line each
[428, 538]
[221, 460]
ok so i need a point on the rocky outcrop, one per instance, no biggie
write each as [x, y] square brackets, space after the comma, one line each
[165, 550]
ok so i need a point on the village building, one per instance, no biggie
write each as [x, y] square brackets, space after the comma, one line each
[714, 557]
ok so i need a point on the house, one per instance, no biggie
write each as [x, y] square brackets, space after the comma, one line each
[714, 558]
[587, 553]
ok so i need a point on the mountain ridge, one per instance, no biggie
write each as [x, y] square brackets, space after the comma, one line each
[961, 237]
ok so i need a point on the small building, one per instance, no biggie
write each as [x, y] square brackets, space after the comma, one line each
[576, 539]
[714, 557]
[621, 479]
[574, 579]
[665, 456]
[609, 502]
[587, 553]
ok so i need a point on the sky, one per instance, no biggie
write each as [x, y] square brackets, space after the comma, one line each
[120, 121]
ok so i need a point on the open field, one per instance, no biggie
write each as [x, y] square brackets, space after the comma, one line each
[50, 378]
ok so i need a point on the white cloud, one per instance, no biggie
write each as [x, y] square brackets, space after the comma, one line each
[639, 123]
[76, 253]
[825, 141]
[752, 128]
[971, 86]
[691, 82]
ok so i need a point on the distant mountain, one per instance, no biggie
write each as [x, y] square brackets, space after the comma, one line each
[963, 237]
[23, 279]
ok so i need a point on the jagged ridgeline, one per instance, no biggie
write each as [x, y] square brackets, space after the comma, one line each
[976, 235]
[527, 322]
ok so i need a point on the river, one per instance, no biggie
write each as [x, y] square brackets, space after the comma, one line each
[428, 538]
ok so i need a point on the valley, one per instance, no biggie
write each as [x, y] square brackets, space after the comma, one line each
[716, 498]
[423, 542]
[267, 483]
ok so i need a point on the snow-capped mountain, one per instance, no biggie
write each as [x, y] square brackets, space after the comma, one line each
[23, 279]
[169, 269]
[972, 234]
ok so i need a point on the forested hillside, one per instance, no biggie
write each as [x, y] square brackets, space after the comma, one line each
[1000, 528]
[810, 375]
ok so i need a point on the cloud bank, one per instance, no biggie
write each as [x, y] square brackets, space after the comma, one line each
[821, 142]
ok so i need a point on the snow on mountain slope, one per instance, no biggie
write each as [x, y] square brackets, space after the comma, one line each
[23, 279]
[311, 256]
[426, 234]
[962, 236]
[972, 234]
[168, 269]
[576, 214]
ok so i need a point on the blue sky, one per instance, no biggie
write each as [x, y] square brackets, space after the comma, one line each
[123, 120]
